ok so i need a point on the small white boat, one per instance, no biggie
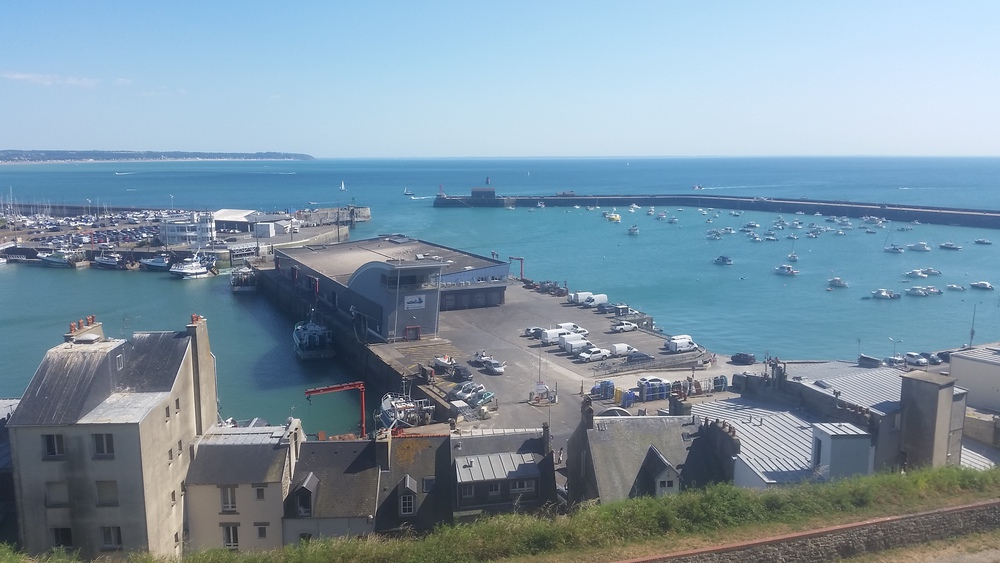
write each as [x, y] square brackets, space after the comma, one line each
[633, 230]
[931, 290]
[785, 270]
[956, 287]
[672, 219]
[981, 285]
[444, 362]
[651, 211]
[983, 241]
[836, 282]
[916, 291]
[949, 246]
[724, 261]
[919, 247]
[407, 191]
[793, 257]
[931, 272]
[882, 293]
[894, 249]
[613, 217]
[661, 216]
[919, 274]
[481, 358]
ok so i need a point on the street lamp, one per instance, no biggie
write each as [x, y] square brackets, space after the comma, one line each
[894, 342]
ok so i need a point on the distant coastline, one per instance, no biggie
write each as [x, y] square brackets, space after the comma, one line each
[68, 156]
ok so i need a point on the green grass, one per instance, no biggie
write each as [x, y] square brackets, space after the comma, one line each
[695, 515]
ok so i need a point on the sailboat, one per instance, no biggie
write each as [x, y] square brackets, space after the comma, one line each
[893, 248]
[342, 187]
[793, 257]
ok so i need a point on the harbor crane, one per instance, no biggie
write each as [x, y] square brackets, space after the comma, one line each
[359, 385]
[521, 260]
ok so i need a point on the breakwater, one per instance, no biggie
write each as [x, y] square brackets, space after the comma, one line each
[893, 212]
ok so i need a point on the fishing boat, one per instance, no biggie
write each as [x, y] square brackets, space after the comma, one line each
[243, 279]
[401, 410]
[61, 258]
[194, 267]
[312, 340]
[109, 261]
[158, 263]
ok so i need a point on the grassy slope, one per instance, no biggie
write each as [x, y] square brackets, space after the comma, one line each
[719, 514]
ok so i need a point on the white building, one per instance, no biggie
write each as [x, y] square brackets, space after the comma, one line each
[102, 439]
[978, 370]
[237, 485]
[197, 229]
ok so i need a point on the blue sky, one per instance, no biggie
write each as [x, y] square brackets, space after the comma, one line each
[468, 79]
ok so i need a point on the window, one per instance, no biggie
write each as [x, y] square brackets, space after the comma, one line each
[231, 536]
[111, 537]
[495, 489]
[261, 532]
[173, 498]
[166, 412]
[260, 493]
[54, 446]
[429, 484]
[468, 491]
[670, 484]
[406, 505]
[228, 499]
[177, 405]
[119, 362]
[522, 485]
[663, 484]
[56, 493]
[107, 493]
[62, 537]
[104, 445]
[180, 448]
[170, 455]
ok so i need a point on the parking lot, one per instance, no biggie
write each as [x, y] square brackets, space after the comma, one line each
[500, 332]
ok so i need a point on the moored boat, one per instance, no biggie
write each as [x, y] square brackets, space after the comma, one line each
[882, 293]
[633, 230]
[983, 241]
[312, 340]
[955, 287]
[724, 261]
[785, 270]
[949, 246]
[109, 261]
[836, 282]
[158, 263]
[981, 285]
[916, 291]
[61, 258]
[919, 274]
[193, 267]
[243, 279]
[401, 410]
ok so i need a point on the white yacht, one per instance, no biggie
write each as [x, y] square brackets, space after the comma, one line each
[836, 282]
[919, 247]
[981, 285]
[785, 270]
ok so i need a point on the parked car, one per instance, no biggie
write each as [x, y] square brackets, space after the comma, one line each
[461, 373]
[914, 359]
[945, 355]
[744, 359]
[581, 331]
[593, 354]
[896, 361]
[932, 359]
[533, 331]
[647, 380]
[607, 307]
[467, 390]
[481, 398]
[623, 326]
[495, 367]
[638, 357]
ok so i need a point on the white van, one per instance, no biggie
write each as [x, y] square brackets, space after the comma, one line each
[565, 339]
[577, 346]
[678, 346]
[680, 337]
[551, 336]
[572, 327]
[595, 300]
[578, 297]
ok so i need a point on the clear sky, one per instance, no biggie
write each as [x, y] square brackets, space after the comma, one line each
[505, 78]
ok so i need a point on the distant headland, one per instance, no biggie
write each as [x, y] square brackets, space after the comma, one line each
[19, 156]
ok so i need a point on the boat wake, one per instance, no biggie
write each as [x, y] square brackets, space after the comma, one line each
[422, 197]
[123, 173]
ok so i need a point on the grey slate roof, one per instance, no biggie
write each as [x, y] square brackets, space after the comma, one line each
[840, 429]
[776, 444]
[239, 455]
[74, 379]
[619, 447]
[983, 354]
[348, 478]
[520, 440]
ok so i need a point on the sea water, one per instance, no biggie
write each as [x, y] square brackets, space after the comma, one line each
[666, 271]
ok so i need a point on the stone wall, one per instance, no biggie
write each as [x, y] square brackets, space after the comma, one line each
[850, 540]
[983, 430]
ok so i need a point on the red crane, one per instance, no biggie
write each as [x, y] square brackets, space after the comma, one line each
[359, 385]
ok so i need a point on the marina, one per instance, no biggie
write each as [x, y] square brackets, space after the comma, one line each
[697, 298]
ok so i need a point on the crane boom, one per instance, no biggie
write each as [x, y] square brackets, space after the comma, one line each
[359, 385]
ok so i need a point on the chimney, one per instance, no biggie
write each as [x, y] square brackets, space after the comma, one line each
[203, 375]
[85, 332]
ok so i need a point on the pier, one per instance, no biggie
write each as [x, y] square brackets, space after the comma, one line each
[486, 197]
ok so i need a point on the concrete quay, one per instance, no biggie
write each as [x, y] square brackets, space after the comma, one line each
[500, 331]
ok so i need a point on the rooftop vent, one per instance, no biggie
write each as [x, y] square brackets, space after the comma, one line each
[87, 338]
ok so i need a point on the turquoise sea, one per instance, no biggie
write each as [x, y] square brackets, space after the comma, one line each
[667, 270]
